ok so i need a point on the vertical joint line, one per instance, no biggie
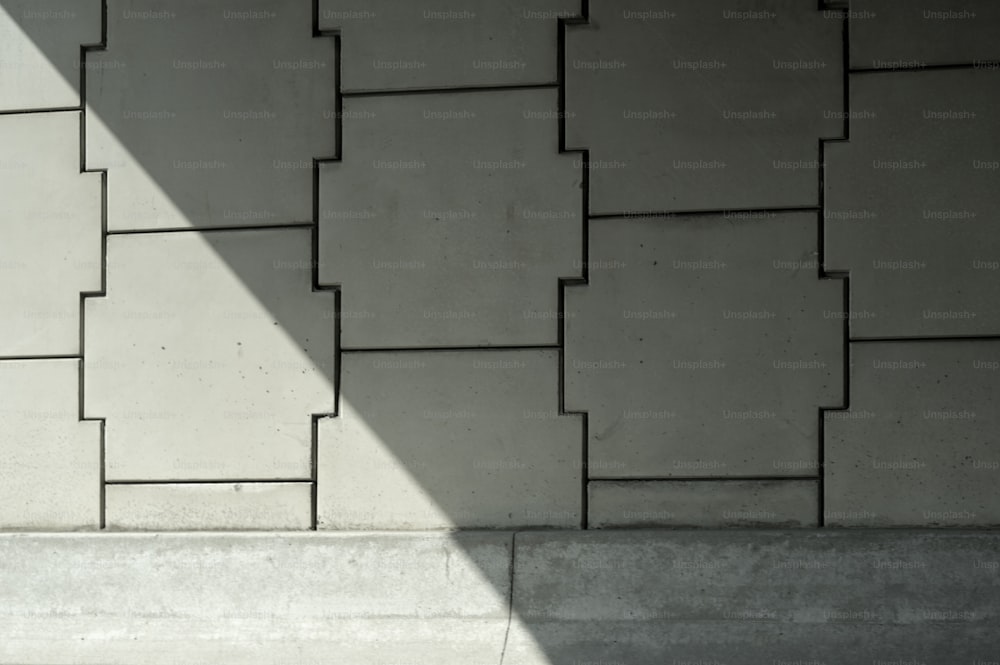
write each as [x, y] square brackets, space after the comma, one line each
[510, 598]
[561, 81]
[103, 501]
[337, 347]
[314, 471]
[338, 96]
[847, 74]
[847, 342]
[821, 471]
[585, 474]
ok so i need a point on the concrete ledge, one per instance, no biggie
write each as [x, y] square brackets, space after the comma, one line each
[756, 597]
[630, 597]
[253, 598]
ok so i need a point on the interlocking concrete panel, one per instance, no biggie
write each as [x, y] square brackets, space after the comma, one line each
[40, 51]
[450, 220]
[199, 131]
[50, 462]
[704, 346]
[696, 106]
[919, 445]
[50, 223]
[254, 599]
[912, 204]
[893, 35]
[217, 506]
[209, 355]
[703, 503]
[450, 439]
[390, 45]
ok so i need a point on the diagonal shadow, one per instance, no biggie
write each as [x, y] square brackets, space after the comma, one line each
[175, 165]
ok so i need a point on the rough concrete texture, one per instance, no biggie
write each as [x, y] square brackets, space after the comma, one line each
[51, 246]
[691, 105]
[703, 346]
[702, 503]
[919, 444]
[254, 599]
[911, 203]
[740, 597]
[228, 133]
[745, 598]
[894, 35]
[49, 461]
[391, 45]
[209, 355]
[466, 215]
[40, 51]
[438, 439]
[213, 506]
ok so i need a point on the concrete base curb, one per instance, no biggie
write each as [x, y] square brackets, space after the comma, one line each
[628, 597]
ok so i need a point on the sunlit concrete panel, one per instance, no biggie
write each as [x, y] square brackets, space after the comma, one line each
[50, 234]
[40, 44]
[50, 462]
[214, 506]
[209, 355]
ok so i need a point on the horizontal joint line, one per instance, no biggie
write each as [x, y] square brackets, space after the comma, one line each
[197, 229]
[213, 481]
[432, 91]
[685, 213]
[449, 348]
[702, 478]
[56, 109]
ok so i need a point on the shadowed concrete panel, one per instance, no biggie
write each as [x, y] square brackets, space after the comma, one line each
[691, 105]
[751, 597]
[920, 445]
[451, 219]
[703, 503]
[210, 114]
[912, 201]
[704, 346]
[392, 45]
[886, 34]
[439, 439]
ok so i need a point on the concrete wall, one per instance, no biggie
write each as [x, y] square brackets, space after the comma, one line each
[555, 266]
[497, 266]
